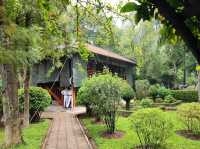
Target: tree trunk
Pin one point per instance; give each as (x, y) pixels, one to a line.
(11, 105)
(26, 97)
(127, 104)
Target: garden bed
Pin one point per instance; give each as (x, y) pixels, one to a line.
(167, 104)
(188, 134)
(130, 140)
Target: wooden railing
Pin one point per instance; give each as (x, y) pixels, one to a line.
(54, 95)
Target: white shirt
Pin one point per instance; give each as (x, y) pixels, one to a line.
(66, 92)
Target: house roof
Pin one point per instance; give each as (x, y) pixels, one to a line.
(107, 53)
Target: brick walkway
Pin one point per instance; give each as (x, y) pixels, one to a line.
(65, 132)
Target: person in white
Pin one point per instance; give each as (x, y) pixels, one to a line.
(67, 93)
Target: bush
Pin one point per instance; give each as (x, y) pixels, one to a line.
(146, 103)
(103, 93)
(190, 115)
(142, 88)
(127, 93)
(162, 92)
(185, 95)
(39, 99)
(84, 95)
(152, 127)
(153, 90)
(158, 100)
(169, 99)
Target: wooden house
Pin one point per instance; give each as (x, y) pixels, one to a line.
(75, 70)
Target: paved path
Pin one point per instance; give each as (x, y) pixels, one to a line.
(65, 132)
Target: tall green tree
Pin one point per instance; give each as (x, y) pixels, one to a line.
(179, 17)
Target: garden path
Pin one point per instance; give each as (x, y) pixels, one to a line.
(65, 131)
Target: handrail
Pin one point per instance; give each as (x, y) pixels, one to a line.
(54, 95)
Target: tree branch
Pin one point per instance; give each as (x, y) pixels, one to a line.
(178, 22)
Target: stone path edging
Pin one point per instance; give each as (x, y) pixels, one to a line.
(86, 138)
(47, 134)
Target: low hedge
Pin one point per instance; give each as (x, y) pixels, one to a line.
(185, 95)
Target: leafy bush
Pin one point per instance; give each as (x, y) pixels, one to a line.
(162, 92)
(103, 93)
(190, 116)
(152, 127)
(127, 93)
(84, 95)
(153, 90)
(185, 95)
(142, 88)
(39, 99)
(146, 103)
(158, 100)
(169, 99)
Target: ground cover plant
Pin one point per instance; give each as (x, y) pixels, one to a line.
(33, 136)
(130, 139)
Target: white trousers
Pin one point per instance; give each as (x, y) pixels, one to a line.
(67, 101)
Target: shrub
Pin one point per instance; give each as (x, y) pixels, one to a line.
(169, 99)
(185, 95)
(103, 93)
(152, 127)
(158, 100)
(127, 93)
(142, 88)
(84, 95)
(153, 90)
(146, 103)
(39, 99)
(190, 115)
(162, 92)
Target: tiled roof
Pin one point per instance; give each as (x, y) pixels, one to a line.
(107, 53)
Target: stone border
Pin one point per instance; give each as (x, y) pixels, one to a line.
(84, 133)
(45, 138)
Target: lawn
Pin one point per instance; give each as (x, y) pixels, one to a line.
(32, 135)
(129, 140)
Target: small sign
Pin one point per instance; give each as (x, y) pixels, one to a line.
(198, 68)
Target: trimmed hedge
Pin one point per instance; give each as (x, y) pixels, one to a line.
(185, 95)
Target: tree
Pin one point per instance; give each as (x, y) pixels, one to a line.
(9, 75)
(17, 49)
(127, 93)
(185, 21)
(102, 92)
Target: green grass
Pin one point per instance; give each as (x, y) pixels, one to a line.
(129, 140)
(33, 135)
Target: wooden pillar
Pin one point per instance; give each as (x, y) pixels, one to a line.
(74, 97)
